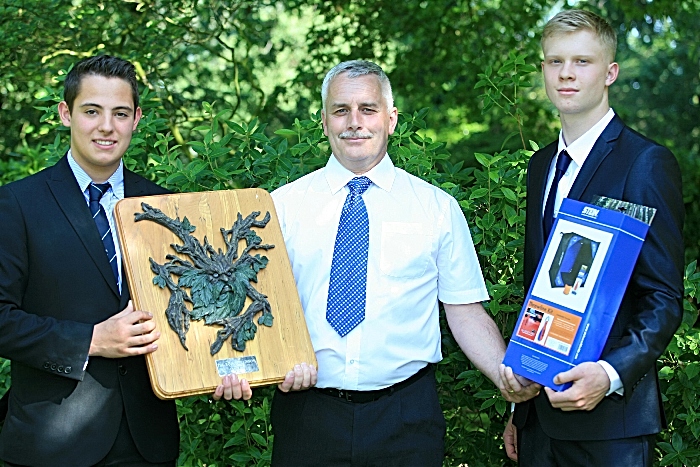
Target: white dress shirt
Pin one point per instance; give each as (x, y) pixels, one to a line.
(578, 151)
(108, 200)
(420, 251)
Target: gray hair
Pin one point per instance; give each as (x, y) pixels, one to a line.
(355, 68)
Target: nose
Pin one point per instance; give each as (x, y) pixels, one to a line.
(354, 119)
(566, 72)
(106, 124)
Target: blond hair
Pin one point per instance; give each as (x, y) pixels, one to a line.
(568, 21)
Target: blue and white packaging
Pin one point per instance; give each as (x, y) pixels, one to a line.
(578, 288)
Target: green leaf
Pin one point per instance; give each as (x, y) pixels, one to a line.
(488, 220)
(487, 403)
(478, 193)
(259, 439)
(509, 194)
(235, 127)
(285, 132)
(483, 159)
(692, 370)
(241, 457)
(677, 442)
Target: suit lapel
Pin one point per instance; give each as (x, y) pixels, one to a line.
(601, 149)
(67, 195)
(132, 185)
(538, 172)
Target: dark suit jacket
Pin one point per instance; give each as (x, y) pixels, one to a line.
(55, 284)
(624, 165)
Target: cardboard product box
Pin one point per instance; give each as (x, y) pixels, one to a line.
(578, 287)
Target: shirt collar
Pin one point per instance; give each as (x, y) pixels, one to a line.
(382, 174)
(579, 149)
(116, 180)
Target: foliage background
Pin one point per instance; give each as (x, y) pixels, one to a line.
(231, 99)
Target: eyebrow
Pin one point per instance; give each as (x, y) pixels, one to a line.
(92, 104)
(558, 55)
(361, 104)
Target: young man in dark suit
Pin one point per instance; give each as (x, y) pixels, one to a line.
(612, 412)
(80, 390)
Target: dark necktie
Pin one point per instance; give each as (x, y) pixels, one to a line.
(347, 290)
(98, 213)
(563, 161)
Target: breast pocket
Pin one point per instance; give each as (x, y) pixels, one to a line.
(405, 249)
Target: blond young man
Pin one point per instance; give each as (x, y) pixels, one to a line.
(612, 412)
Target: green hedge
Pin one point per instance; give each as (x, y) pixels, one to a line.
(227, 155)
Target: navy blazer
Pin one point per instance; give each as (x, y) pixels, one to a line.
(623, 165)
(55, 285)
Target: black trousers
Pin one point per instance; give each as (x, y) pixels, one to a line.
(123, 453)
(406, 428)
(536, 449)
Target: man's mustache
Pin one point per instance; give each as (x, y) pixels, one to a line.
(355, 134)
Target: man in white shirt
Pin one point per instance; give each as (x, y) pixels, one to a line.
(612, 412)
(373, 250)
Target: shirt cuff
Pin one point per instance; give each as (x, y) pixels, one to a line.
(615, 381)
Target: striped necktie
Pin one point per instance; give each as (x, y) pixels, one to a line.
(100, 216)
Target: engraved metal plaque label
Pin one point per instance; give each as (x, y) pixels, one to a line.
(240, 365)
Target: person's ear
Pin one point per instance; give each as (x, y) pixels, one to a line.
(137, 117)
(323, 122)
(613, 70)
(64, 113)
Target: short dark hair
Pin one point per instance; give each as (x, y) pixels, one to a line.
(99, 65)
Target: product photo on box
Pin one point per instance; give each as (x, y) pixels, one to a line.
(579, 284)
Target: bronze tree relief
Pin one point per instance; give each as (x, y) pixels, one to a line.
(218, 281)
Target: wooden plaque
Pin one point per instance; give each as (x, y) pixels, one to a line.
(174, 371)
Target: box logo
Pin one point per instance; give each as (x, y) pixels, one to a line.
(590, 212)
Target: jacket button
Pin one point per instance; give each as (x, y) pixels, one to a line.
(67, 369)
(122, 370)
(46, 365)
(53, 366)
(60, 368)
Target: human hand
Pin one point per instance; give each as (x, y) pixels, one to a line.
(590, 384)
(301, 377)
(125, 334)
(233, 388)
(516, 388)
(510, 440)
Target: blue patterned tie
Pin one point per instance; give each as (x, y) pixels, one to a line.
(563, 162)
(100, 216)
(348, 286)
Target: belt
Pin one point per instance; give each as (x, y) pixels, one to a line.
(362, 397)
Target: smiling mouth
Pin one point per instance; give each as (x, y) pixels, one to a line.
(102, 142)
